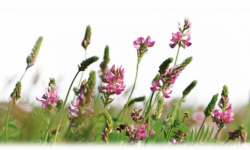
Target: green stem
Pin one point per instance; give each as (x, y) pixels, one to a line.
(98, 95)
(216, 135)
(226, 142)
(48, 130)
(137, 68)
(149, 112)
(23, 74)
(56, 134)
(183, 119)
(144, 111)
(200, 129)
(7, 123)
(80, 81)
(177, 55)
(162, 128)
(92, 127)
(169, 134)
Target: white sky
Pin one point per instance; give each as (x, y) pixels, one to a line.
(220, 49)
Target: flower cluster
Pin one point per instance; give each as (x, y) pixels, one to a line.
(51, 97)
(222, 118)
(180, 137)
(141, 133)
(112, 83)
(177, 38)
(239, 133)
(142, 45)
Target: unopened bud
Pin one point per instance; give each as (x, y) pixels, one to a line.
(83, 66)
(164, 66)
(209, 109)
(189, 88)
(86, 40)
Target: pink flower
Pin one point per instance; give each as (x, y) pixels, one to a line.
(73, 109)
(173, 140)
(222, 118)
(140, 134)
(167, 91)
(140, 43)
(50, 97)
(155, 86)
(152, 132)
(113, 81)
(178, 37)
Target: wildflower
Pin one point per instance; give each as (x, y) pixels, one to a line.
(178, 37)
(222, 118)
(173, 140)
(142, 45)
(135, 114)
(16, 94)
(32, 57)
(140, 134)
(238, 134)
(152, 132)
(73, 109)
(50, 97)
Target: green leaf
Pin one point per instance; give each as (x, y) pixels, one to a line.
(14, 133)
(195, 133)
(209, 137)
(182, 127)
(165, 134)
(191, 136)
(12, 126)
(205, 135)
(202, 130)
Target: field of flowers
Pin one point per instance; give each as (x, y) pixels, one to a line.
(90, 117)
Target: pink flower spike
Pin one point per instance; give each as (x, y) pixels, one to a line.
(152, 132)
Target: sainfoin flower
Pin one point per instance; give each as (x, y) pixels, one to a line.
(178, 37)
(142, 45)
(140, 134)
(113, 81)
(135, 114)
(50, 97)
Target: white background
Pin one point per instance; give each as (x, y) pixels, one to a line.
(220, 36)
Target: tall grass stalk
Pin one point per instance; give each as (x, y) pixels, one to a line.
(65, 101)
(124, 112)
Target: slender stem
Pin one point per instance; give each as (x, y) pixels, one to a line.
(149, 112)
(216, 135)
(7, 123)
(177, 55)
(200, 129)
(92, 127)
(183, 119)
(226, 142)
(137, 68)
(23, 74)
(56, 134)
(169, 134)
(80, 81)
(144, 111)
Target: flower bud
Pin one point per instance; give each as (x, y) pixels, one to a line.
(16, 94)
(189, 88)
(32, 57)
(106, 59)
(209, 109)
(83, 66)
(186, 114)
(86, 40)
(164, 66)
